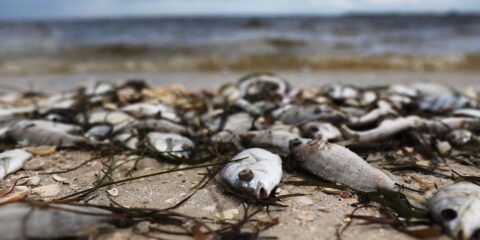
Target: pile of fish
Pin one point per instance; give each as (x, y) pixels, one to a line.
(266, 121)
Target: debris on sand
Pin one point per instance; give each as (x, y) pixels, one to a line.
(370, 147)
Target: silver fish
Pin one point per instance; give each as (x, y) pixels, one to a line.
(276, 140)
(338, 164)
(129, 139)
(457, 209)
(321, 130)
(99, 132)
(152, 109)
(384, 109)
(26, 132)
(299, 114)
(25, 221)
(389, 128)
(12, 161)
(171, 143)
(160, 125)
(442, 103)
(256, 173)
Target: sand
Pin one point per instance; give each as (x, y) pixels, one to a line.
(196, 80)
(327, 210)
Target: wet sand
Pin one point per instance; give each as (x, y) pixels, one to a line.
(327, 210)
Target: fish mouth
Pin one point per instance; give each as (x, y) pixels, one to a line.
(261, 192)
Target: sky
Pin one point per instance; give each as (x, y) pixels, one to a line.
(55, 9)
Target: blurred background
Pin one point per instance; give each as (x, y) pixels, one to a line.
(43, 37)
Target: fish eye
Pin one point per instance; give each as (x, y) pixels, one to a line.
(246, 175)
(448, 214)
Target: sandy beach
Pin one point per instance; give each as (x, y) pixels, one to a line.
(204, 52)
(317, 215)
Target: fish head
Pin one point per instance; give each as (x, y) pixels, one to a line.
(457, 208)
(298, 142)
(254, 183)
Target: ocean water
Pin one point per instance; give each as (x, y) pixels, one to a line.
(427, 36)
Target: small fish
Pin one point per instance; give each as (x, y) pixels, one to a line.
(338, 164)
(171, 143)
(276, 140)
(256, 173)
(457, 209)
(340, 92)
(108, 117)
(96, 89)
(160, 125)
(443, 103)
(12, 161)
(321, 130)
(383, 110)
(129, 139)
(293, 114)
(99, 132)
(234, 125)
(53, 221)
(140, 110)
(389, 128)
(36, 132)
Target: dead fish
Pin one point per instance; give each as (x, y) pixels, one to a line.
(338, 164)
(129, 139)
(234, 125)
(99, 132)
(256, 173)
(12, 161)
(457, 209)
(160, 125)
(383, 110)
(104, 116)
(321, 130)
(403, 90)
(467, 112)
(442, 103)
(35, 132)
(260, 86)
(340, 92)
(53, 221)
(260, 92)
(170, 143)
(460, 137)
(97, 88)
(299, 114)
(259, 124)
(276, 140)
(388, 128)
(141, 110)
(9, 112)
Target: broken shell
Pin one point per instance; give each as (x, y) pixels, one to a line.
(47, 190)
(113, 192)
(42, 150)
(61, 179)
